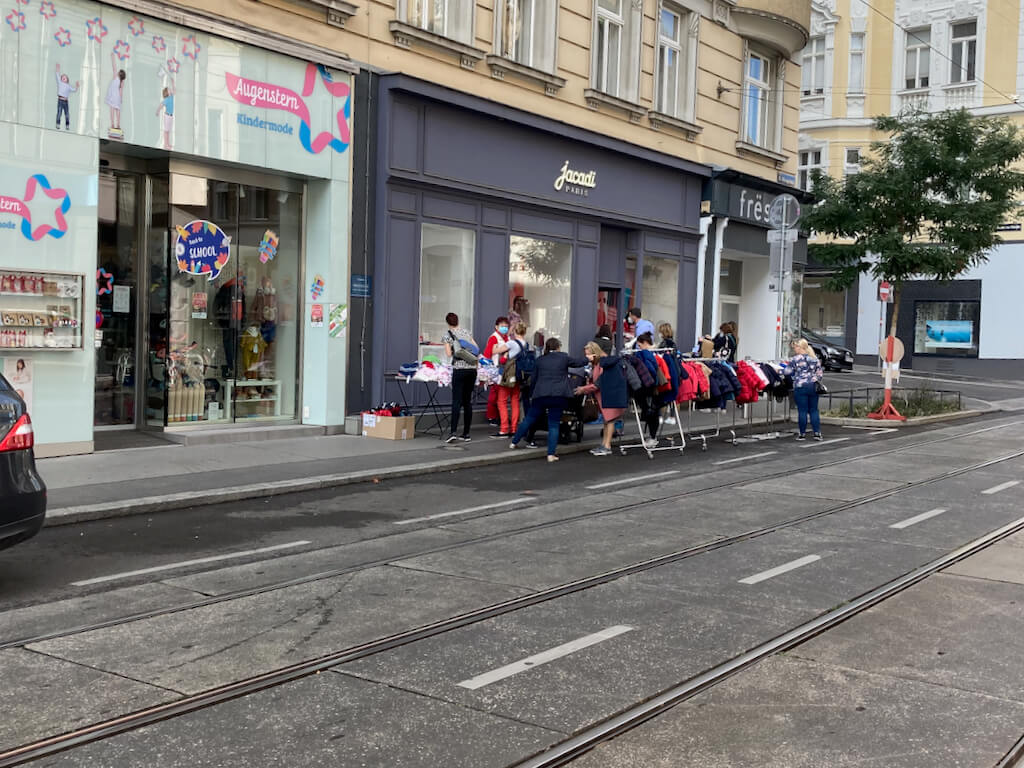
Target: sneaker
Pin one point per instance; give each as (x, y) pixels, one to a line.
(801, 436)
(513, 446)
(451, 439)
(601, 451)
(671, 421)
(651, 442)
(501, 435)
(465, 439)
(531, 444)
(818, 437)
(552, 458)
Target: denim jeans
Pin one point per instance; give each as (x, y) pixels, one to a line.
(62, 108)
(554, 406)
(806, 398)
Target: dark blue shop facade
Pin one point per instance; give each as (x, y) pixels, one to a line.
(482, 210)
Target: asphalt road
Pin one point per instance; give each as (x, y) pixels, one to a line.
(384, 559)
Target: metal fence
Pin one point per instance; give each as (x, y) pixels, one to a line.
(835, 399)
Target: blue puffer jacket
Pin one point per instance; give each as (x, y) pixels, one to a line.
(612, 383)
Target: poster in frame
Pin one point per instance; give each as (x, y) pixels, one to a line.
(946, 328)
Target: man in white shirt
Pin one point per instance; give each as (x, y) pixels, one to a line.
(640, 326)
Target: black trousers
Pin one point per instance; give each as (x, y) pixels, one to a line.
(463, 381)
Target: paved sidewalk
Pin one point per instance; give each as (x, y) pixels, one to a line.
(172, 476)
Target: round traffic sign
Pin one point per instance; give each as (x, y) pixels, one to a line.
(784, 211)
(897, 349)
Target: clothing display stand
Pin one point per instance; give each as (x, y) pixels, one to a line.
(704, 434)
(645, 443)
(432, 413)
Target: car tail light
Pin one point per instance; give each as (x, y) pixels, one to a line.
(20, 438)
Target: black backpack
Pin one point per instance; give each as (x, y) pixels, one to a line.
(526, 365)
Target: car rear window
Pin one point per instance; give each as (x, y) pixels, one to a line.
(4, 384)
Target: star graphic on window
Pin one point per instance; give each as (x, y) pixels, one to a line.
(137, 26)
(16, 20)
(97, 30)
(46, 9)
(104, 282)
(39, 181)
(122, 50)
(158, 44)
(63, 37)
(173, 65)
(338, 142)
(190, 48)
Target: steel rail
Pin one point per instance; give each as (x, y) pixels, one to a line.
(248, 686)
(336, 572)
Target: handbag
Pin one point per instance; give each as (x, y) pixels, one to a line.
(590, 410)
(820, 388)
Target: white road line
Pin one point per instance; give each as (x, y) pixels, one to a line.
(917, 519)
(481, 508)
(871, 430)
(635, 479)
(745, 458)
(825, 442)
(1001, 487)
(544, 657)
(772, 572)
(187, 563)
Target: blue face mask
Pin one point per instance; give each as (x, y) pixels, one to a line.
(502, 329)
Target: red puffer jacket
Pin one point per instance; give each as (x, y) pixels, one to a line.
(750, 383)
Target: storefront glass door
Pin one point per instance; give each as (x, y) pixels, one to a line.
(608, 313)
(233, 339)
(117, 299)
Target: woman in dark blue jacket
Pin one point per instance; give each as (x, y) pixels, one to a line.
(551, 393)
(612, 392)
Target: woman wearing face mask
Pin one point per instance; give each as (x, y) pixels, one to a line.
(500, 336)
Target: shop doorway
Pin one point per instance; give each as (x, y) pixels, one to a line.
(117, 333)
(609, 310)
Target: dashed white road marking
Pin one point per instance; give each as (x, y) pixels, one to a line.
(778, 570)
(825, 442)
(634, 479)
(187, 563)
(1001, 487)
(481, 508)
(544, 657)
(917, 519)
(745, 458)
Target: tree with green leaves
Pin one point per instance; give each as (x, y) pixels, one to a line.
(927, 202)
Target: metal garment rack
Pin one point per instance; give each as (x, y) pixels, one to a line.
(645, 443)
(704, 434)
(770, 417)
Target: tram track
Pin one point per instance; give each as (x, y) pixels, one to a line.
(482, 539)
(248, 686)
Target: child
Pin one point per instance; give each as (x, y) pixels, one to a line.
(114, 93)
(167, 106)
(64, 90)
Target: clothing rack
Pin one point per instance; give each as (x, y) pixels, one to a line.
(646, 443)
(704, 434)
(770, 416)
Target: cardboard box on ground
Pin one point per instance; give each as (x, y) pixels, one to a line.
(389, 427)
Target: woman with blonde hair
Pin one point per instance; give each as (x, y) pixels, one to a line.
(609, 383)
(806, 371)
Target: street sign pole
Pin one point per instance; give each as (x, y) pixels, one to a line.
(783, 215)
(892, 351)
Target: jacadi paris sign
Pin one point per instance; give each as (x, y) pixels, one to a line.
(576, 182)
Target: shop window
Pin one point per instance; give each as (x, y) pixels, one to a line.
(812, 69)
(809, 160)
(526, 32)
(677, 41)
(447, 18)
(540, 271)
(447, 260)
(617, 48)
(856, 63)
(824, 311)
(760, 99)
(851, 161)
(730, 278)
(963, 52)
(917, 71)
(948, 328)
(661, 290)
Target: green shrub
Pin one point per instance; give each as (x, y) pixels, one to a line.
(909, 402)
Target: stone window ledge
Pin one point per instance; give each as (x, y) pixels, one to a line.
(658, 119)
(337, 11)
(752, 149)
(500, 65)
(595, 98)
(406, 34)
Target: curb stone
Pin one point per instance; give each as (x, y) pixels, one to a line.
(910, 422)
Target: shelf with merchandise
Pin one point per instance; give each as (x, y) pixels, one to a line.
(41, 310)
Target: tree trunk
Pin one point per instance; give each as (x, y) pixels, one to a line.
(896, 290)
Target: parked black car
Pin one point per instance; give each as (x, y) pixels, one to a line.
(22, 492)
(832, 356)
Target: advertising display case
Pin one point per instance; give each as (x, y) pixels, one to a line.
(40, 310)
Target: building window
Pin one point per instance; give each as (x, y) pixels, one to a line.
(617, 49)
(809, 160)
(759, 99)
(447, 260)
(917, 67)
(526, 32)
(813, 67)
(448, 18)
(851, 161)
(856, 63)
(540, 271)
(824, 311)
(661, 290)
(965, 45)
(949, 328)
